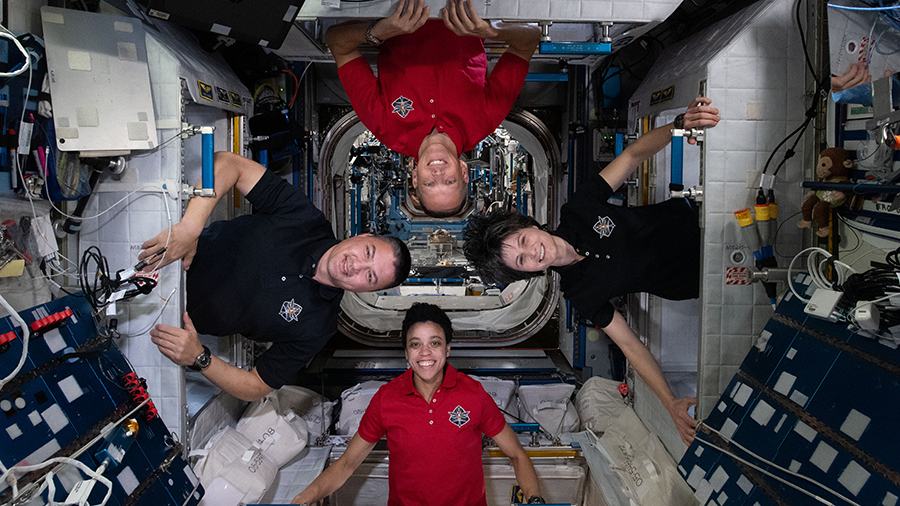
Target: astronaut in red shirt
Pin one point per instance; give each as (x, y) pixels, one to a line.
(433, 418)
(433, 98)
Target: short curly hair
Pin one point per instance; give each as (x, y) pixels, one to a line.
(484, 235)
(422, 312)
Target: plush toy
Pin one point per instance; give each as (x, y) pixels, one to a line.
(833, 167)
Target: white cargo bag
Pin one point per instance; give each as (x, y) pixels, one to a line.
(354, 402)
(233, 471)
(549, 406)
(503, 393)
(308, 405)
(643, 464)
(599, 404)
(278, 432)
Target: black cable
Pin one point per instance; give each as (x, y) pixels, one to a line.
(775, 240)
(855, 233)
(98, 290)
(803, 42)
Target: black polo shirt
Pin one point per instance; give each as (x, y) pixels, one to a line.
(253, 276)
(653, 249)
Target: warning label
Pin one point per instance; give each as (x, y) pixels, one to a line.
(737, 276)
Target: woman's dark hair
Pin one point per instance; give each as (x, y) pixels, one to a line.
(484, 236)
(422, 312)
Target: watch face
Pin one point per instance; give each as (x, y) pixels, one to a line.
(204, 359)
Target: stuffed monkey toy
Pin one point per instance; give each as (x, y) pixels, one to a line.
(833, 167)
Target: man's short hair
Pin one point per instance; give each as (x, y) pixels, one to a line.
(484, 235)
(402, 259)
(421, 312)
(451, 212)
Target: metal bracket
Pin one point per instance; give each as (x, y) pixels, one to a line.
(693, 133)
(695, 193)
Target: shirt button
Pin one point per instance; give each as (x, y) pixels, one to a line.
(431, 422)
(301, 276)
(598, 256)
(587, 253)
(432, 100)
(432, 116)
(433, 400)
(607, 257)
(430, 411)
(283, 278)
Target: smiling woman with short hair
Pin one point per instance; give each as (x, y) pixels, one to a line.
(434, 418)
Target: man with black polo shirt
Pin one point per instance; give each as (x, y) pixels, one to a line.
(274, 276)
(432, 99)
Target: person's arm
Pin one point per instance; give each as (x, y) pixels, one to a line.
(461, 18)
(231, 171)
(182, 346)
(646, 366)
(336, 474)
(526, 477)
(345, 38)
(647, 145)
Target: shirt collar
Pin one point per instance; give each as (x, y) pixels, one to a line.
(310, 261)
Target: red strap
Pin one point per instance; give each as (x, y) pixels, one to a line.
(9, 336)
(54, 318)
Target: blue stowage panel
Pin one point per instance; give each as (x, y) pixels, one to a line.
(72, 385)
(811, 397)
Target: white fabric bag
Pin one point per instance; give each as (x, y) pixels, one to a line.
(279, 433)
(503, 393)
(308, 405)
(599, 404)
(646, 469)
(549, 406)
(354, 402)
(233, 471)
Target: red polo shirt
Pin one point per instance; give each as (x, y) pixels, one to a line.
(432, 78)
(435, 449)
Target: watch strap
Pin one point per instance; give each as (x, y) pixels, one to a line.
(203, 360)
(679, 121)
(371, 39)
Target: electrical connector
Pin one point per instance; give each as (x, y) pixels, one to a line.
(822, 304)
(867, 315)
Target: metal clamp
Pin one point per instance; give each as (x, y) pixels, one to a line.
(695, 193)
(692, 133)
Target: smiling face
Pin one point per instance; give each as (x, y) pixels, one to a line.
(530, 249)
(440, 179)
(362, 263)
(427, 351)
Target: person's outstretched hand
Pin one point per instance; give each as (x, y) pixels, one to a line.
(409, 17)
(855, 75)
(461, 18)
(700, 114)
(181, 346)
(678, 410)
(180, 244)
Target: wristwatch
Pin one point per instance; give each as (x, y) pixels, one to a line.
(536, 499)
(202, 362)
(679, 121)
(371, 39)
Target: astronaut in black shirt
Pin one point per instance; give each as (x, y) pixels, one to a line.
(602, 251)
(276, 276)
